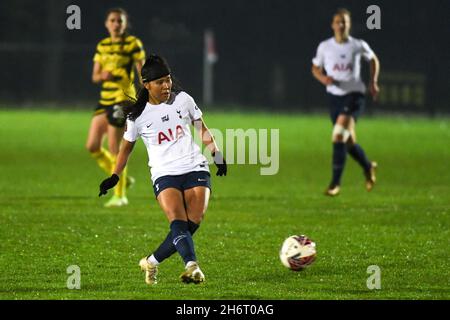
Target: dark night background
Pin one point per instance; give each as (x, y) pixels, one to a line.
(264, 47)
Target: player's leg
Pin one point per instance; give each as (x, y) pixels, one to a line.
(166, 248)
(339, 138)
(196, 201)
(358, 154)
(195, 208)
(97, 130)
(115, 135)
(172, 202)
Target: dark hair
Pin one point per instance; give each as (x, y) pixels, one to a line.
(343, 11)
(133, 108)
(155, 67)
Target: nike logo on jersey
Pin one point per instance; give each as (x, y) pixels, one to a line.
(195, 107)
(165, 118)
(149, 125)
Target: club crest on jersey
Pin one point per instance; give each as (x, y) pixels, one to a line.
(343, 67)
(179, 114)
(179, 132)
(165, 118)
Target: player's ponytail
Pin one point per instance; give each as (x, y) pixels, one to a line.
(133, 108)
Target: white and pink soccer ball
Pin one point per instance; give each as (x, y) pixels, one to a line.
(298, 252)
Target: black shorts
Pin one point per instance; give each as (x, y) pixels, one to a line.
(183, 182)
(114, 113)
(351, 104)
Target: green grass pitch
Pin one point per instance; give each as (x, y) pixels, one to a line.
(51, 217)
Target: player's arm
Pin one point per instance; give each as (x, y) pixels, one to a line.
(98, 75)
(139, 64)
(318, 73)
(125, 150)
(210, 143)
(205, 134)
(374, 73)
(124, 153)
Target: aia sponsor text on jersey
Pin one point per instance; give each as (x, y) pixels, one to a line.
(179, 132)
(343, 67)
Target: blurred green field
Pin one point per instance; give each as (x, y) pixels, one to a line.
(51, 217)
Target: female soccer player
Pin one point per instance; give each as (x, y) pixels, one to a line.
(114, 62)
(340, 57)
(180, 173)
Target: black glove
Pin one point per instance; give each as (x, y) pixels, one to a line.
(220, 163)
(108, 184)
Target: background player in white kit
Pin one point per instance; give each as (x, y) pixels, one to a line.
(340, 57)
(180, 173)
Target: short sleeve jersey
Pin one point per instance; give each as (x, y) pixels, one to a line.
(119, 59)
(166, 133)
(342, 62)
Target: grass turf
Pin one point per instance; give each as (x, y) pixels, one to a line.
(51, 217)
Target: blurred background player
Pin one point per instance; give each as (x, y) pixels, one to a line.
(340, 57)
(179, 171)
(115, 59)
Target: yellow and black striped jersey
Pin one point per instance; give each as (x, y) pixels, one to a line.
(118, 57)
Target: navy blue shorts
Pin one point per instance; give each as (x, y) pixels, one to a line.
(183, 181)
(351, 104)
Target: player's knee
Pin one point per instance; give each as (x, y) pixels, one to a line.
(197, 220)
(175, 214)
(340, 133)
(338, 138)
(92, 148)
(196, 217)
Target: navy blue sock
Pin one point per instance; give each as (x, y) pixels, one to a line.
(166, 248)
(339, 156)
(182, 240)
(192, 226)
(358, 154)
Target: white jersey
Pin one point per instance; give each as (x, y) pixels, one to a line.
(165, 130)
(342, 62)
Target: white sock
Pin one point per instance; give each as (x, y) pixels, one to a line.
(190, 263)
(152, 260)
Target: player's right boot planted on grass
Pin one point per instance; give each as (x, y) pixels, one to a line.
(192, 273)
(151, 271)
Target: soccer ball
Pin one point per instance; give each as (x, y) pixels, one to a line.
(298, 252)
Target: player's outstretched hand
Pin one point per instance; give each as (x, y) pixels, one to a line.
(220, 163)
(108, 184)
